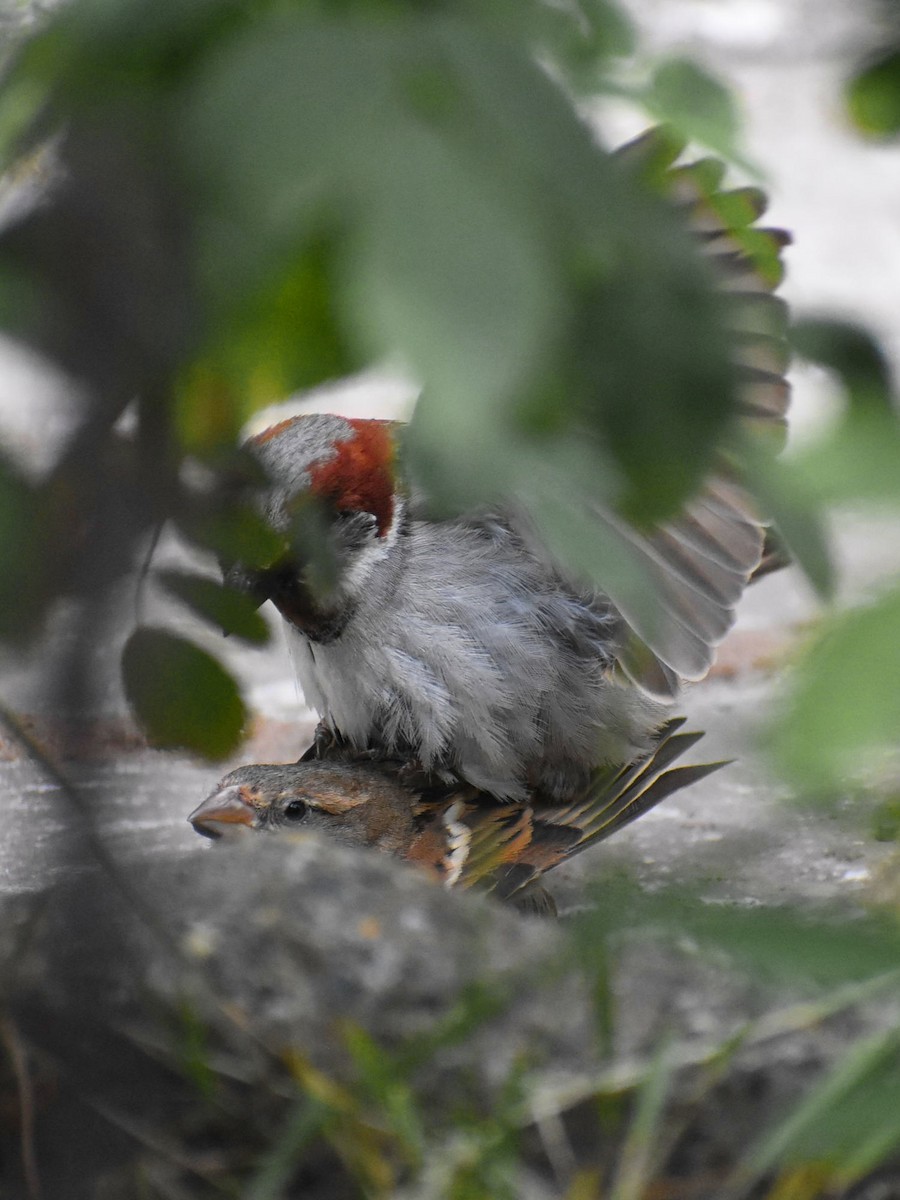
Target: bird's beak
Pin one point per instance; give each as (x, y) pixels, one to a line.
(224, 812)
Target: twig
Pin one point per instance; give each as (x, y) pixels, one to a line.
(161, 1146)
(144, 572)
(9, 1036)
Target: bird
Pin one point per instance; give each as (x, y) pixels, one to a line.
(459, 645)
(460, 837)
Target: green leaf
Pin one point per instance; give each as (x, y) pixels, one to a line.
(235, 534)
(641, 1149)
(860, 458)
(452, 271)
(843, 709)
(270, 336)
(886, 822)
(854, 354)
(873, 97)
(696, 103)
(850, 1120)
(193, 1049)
(232, 611)
(773, 944)
(858, 461)
(580, 40)
(181, 696)
(528, 279)
(791, 504)
(782, 944)
(277, 1165)
(385, 1081)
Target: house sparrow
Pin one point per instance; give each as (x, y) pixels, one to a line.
(459, 644)
(460, 836)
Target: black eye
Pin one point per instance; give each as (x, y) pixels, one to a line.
(295, 811)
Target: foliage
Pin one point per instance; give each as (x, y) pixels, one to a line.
(841, 715)
(873, 96)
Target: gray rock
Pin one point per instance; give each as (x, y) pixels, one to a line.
(240, 960)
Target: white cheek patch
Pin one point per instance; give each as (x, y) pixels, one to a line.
(370, 556)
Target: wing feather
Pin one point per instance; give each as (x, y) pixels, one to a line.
(700, 562)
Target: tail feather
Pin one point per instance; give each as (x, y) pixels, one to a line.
(611, 801)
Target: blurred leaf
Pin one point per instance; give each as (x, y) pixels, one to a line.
(364, 1148)
(785, 944)
(207, 409)
(235, 533)
(269, 341)
(858, 461)
(589, 545)
(438, 261)
(860, 458)
(580, 39)
(773, 944)
(232, 611)
(449, 270)
(384, 1081)
(610, 26)
(696, 103)
(102, 261)
(854, 354)
(873, 97)
(886, 822)
(800, 1183)
(279, 1163)
(526, 277)
(95, 51)
(181, 696)
(850, 1120)
(789, 502)
(194, 1051)
(843, 709)
(637, 1159)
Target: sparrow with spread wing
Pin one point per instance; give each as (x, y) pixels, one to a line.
(460, 644)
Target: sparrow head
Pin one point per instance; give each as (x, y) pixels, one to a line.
(347, 464)
(345, 470)
(356, 805)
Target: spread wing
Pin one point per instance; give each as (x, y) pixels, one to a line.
(700, 562)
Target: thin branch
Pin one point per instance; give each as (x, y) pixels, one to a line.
(144, 572)
(9, 1036)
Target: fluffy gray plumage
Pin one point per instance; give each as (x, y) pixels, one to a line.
(454, 643)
